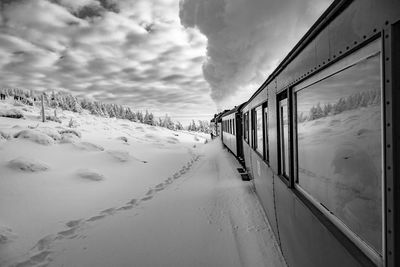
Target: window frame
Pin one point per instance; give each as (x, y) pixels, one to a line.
(255, 140)
(372, 48)
(287, 178)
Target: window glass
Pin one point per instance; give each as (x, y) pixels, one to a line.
(246, 127)
(339, 133)
(284, 137)
(265, 113)
(259, 141)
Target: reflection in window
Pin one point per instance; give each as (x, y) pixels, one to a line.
(258, 130)
(339, 136)
(284, 137)
(246, 127)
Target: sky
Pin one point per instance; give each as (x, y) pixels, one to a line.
(188, 58)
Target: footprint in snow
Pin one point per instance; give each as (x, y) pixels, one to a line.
(150, 192)
(38, 259)
(133, 201)
(44, 243)
(73, 223)
(109, 211)
(147, 198)
(95, 218)
(126, 207)
(66, 233)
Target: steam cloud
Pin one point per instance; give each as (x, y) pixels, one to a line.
(247, 38)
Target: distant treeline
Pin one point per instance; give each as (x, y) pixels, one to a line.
(355, 101)
(66, 101)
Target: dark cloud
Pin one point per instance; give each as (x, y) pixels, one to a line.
(89, 11)
(110, 5)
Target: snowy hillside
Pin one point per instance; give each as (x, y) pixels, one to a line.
(87, 195)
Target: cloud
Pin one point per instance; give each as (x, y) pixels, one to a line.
(246, 38)
(130, 52)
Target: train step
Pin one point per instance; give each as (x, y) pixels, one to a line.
(243, 173)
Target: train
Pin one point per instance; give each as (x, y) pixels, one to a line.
(320, 139)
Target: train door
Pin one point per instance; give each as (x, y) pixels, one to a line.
(239, 143)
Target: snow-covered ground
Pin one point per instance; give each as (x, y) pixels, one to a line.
(111, 192)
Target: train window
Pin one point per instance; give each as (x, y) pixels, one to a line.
(339, 139)
(246, 126)
(283, 135)
(258, 130)
(266, 146)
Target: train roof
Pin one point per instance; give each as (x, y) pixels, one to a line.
(235, 109)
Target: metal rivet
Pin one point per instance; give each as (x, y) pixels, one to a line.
(340, 51)
(355, 42)
(390, 253)
(387, 102)
(323, 62)
(334, 56)
(319, 66)
(387, 81)
(388, 125)
(389, 168)
(389, 189)
(374, 30)
(387, 59)
(386, 22)
(364, 36)
(387, 35)
(389, 210)
(329, 59)
(388, 146)
(389, 231)
(347, 47)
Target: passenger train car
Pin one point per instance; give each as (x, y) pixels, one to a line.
(232, 131)
(320, 138)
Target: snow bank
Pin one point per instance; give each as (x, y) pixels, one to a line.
(89, 175)
(87, 146)
(68, 138)
(4, 135)
(119, 155)
(11, 113)
(54, 134)
(70, 131)
(35, 136)
(27, 165)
